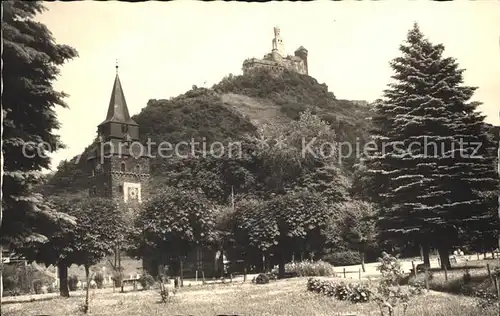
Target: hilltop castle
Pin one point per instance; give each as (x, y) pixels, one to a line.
(277, 61)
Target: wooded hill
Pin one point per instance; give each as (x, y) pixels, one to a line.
(231, 109)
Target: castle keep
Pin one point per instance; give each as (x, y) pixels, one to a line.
(277, 60)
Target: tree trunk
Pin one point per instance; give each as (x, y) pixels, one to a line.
(445, 257)
(62, 270)
(119, 259)
(281, 266)
(182, 271)
(221, 263)
(425, 254)
(362, 256)
(87, 277)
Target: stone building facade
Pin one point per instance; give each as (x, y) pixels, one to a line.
(277, 60)
(119, 164)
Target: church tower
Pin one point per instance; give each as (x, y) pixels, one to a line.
(119, 164)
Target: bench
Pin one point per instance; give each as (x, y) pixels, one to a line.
(133, 281)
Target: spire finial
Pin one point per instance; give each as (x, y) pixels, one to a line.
(116, 66)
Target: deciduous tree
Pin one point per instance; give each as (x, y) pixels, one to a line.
(99, 223)
(173, 223)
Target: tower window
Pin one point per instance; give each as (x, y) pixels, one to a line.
(137, 169)
(123, 167)
(124, 129)
(120, 189)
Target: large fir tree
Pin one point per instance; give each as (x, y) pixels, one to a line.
(31, 61)
(433, 164)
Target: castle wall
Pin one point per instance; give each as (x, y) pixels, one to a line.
(276, 66)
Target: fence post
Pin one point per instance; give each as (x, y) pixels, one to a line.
(359, 273)
(489, 272)
(344, 274)
(426, 278)
(445, 273)
(414, 269)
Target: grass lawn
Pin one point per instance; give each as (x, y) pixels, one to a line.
(283, 297)
(454, 283)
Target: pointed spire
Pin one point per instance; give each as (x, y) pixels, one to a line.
(118, 110)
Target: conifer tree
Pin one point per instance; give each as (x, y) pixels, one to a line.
(433, 163)
(30, 64)
(31, 61)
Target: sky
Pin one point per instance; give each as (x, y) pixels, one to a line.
(163, 48)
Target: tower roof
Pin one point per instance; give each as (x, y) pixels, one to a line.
(300, 48)
(118, 110)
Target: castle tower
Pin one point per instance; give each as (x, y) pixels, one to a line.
(119, 164)
(302, 53)
(278, 46)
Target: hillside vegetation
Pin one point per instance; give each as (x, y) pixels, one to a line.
(231, 109)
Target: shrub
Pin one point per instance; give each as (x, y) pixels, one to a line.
(164, 295)
(12, 284)
(358, 293)
(343, 258)
(390, 294)
(146, 281)
(272, 276)
(50, 288)
(354, 293)
(37, 286)
(99, 280)
(485, 299)
(308, 268)
(73, 283)
(341, 291)
(16, 278)
(262, 279)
